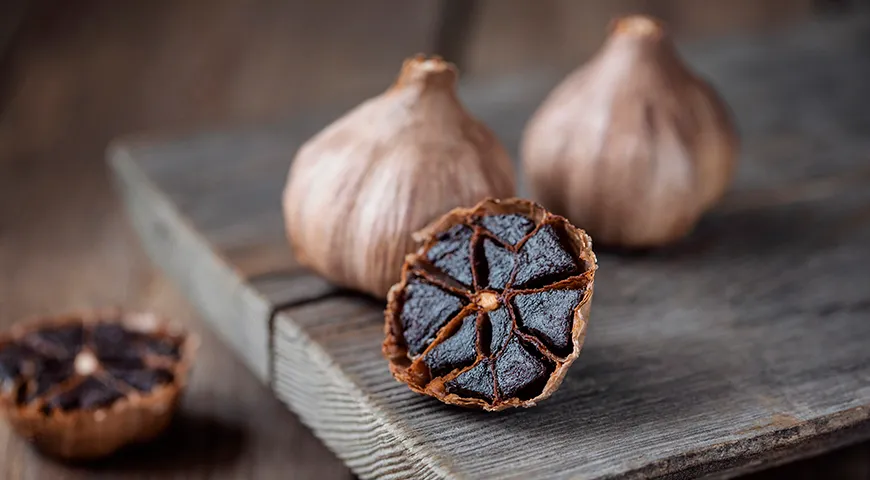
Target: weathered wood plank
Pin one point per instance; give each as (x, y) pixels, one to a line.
(743, 347)
(310, 379)
(696, 362)
(240, 313)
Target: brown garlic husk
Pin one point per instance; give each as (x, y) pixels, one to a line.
(633, 147)
(357, 190)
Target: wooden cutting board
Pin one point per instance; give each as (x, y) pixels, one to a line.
(745, 346)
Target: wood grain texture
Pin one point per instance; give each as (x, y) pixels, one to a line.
(744, 347)
(255, 267)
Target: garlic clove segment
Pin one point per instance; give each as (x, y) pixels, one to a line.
(632, 146)
(358, 189)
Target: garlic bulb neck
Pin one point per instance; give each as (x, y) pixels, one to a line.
(643, 44)
(639, 26)
(426, 88)
(427, 75)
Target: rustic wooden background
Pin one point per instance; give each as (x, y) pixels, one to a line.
(73, 75)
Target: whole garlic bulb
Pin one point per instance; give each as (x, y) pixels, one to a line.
(357, 190)
(632, 146)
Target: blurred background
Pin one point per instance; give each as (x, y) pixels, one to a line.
(75, 74)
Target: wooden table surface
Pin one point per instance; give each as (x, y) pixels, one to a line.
(64, 244)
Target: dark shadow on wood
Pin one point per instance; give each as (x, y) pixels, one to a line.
(276, 274)
(724, 236)
(757, 233)
(191, 444)
(846, 463)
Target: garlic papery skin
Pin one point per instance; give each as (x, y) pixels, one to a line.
(632, 146)
(358, 189)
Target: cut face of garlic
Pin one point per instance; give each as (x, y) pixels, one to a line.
(359, 188)
(632, 146)
(492, 310)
